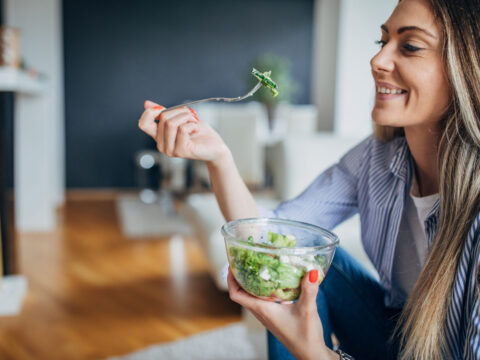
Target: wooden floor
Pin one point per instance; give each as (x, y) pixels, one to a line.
(94, 293)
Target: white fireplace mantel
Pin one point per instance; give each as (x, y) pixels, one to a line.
(18, 81)
(34, 206)
(39, 179)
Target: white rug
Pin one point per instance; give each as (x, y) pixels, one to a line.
(232, 342)
(138, 219)
(13, 289)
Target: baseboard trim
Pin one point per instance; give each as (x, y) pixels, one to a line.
(98, 193)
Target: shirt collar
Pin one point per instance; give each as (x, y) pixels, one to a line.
(400, 165)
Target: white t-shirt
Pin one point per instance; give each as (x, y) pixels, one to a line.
(412, 246)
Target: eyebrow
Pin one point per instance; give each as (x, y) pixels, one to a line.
(409, 28)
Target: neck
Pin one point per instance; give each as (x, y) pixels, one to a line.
(423, 144)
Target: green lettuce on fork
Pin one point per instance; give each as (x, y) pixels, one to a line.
(266, 80)
(268, 275)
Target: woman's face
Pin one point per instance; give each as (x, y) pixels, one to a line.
(409, 74)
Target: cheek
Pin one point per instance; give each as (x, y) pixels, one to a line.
(433, 93)
(427, 99)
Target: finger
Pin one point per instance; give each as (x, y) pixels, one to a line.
(233, 285)
(158, 107)
(187, 129)
(183, 136)
(263, 310)
(168, 114)
(146, 121)
(171, 130)
(239, 295)
(162, 120)
(308, 295)
(194, 114)
(149, 104)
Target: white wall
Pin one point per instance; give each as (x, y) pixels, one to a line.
(324, 63)
(359, 27)
(39, 120)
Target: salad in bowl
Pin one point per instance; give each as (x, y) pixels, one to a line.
(270, 257)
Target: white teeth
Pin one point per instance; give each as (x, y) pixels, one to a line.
(383, 90)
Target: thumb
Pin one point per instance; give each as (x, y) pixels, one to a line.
(149, 104)
(310, 283)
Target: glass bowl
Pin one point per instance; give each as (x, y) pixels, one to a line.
(269, 257)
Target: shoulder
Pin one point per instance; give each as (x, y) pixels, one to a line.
(470, 258)
(372, 153)
(471, 291)
(473, 238)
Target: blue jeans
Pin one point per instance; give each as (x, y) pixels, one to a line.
(350, 304)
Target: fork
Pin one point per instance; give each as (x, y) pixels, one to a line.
(234, 99)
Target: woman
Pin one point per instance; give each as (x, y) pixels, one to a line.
(416, 185)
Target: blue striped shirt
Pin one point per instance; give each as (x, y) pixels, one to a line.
(373, 179)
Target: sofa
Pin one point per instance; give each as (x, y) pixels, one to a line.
(293, 153)
(294, 161)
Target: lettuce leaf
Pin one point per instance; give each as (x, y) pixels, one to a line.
(264, 274)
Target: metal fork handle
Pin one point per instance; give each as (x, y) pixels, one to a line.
(239, 98)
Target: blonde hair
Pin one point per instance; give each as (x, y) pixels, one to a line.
(422, 324)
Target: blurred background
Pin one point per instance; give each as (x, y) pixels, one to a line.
(116, 244)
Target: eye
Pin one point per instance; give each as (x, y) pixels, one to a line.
(381, 43)
(410, 48)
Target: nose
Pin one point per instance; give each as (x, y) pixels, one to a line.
(383, 61)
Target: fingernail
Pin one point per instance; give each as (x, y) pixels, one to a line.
(195, 116)
(159, 107)
(313, 276)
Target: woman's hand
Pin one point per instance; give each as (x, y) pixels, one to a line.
(179, 133)
(296, 325)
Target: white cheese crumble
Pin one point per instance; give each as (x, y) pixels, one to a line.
(306, 262)
(264, 274)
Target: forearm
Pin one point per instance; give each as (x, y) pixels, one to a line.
(233, 196)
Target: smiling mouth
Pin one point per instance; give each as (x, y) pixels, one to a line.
(391, 91)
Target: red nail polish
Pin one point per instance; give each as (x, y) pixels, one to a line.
(159, 107)
(313, 276)
(195, 116)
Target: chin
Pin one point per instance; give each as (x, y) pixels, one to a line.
(383, 119)
(380, 120)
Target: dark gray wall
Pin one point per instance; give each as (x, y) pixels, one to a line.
(119, 53)
(7, 233)
(6, 130)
